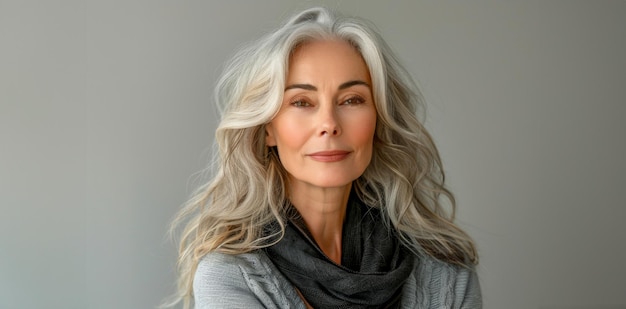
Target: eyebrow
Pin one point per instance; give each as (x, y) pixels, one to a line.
(341, 87)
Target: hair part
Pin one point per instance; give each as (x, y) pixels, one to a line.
(247, 193)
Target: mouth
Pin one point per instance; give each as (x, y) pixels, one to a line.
(329, 155)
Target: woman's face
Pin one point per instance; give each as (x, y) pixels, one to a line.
(324, 130)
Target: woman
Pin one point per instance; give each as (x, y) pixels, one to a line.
(328, 192)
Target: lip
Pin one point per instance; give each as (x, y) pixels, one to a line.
(329, 155)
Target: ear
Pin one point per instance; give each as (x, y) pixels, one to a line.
(270, 141)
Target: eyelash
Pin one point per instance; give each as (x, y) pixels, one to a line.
(300, 103)
(354, 100)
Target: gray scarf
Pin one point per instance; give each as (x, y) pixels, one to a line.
(374, 265)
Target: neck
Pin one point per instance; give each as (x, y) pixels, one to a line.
(323, 211)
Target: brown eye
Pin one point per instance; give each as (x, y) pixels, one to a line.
(300, 103)
(353, 101)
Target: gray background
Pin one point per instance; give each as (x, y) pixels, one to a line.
(106, 115)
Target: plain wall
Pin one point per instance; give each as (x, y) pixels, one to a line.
(106, 113)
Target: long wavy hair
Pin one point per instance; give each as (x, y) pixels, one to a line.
(247, 191)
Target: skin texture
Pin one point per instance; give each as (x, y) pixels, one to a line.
(324, 134)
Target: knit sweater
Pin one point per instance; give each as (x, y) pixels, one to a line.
(251, 280)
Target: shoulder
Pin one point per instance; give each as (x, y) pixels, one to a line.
(437, 284)
(224, 266)
(243, 280)
(219, 282)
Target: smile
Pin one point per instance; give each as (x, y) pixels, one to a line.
(329, 156)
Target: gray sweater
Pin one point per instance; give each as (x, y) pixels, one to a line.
(251, 280)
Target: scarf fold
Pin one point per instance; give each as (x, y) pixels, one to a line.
(374, 265)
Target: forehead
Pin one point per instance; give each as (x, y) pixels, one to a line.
(335, 59)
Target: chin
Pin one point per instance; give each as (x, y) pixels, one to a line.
(334, 182)
(326, 179)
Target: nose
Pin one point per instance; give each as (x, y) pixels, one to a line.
(329, 122)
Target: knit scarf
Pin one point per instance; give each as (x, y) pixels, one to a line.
(374, 265)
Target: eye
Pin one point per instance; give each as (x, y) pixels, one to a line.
(353, 101)
(300, 103)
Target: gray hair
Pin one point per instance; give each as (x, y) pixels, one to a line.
(405, 178)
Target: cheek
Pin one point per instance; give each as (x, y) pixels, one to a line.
(362, 136)
(288, 133)
(363, 130)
